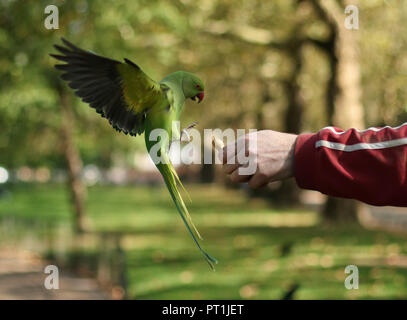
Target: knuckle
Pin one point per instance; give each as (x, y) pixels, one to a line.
(262, 175)
(253, 184)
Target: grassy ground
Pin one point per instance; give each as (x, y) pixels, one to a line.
(262, 252)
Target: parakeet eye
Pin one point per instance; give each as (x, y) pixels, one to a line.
(198, 87)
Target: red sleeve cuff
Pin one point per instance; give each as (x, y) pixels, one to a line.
(305, 161)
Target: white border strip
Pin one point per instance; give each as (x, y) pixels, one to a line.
(362, 131)
(361, 146)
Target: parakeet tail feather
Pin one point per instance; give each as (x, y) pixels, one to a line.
(171, 178)
(182, 186)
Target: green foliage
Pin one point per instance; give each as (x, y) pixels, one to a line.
(223, 43)
(165, 36)
(29, 101)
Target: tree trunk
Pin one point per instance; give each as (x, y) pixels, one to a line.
(207, 173)
(74, 165)
(344, 93)
(288, 192)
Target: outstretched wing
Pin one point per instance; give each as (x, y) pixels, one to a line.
(120, 92)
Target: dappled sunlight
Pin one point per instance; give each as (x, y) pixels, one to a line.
(78, 194)
(269, 219)
(263, 251)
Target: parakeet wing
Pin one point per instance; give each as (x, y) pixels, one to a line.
(120, 92)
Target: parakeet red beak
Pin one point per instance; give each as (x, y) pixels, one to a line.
(200, 96)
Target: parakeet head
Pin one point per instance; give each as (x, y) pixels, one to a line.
(193, 87)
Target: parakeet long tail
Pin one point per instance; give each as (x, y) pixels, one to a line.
(171, 179)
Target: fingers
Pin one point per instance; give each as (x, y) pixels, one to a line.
(229, 168)
(228, 152)
(232, 149)
(234, 162)
(255, 181)
(258, 180)
(231, 155)
(236, 177)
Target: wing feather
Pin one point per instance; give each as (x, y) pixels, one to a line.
(120, 92)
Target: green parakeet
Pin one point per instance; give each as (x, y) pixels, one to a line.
(134, 103)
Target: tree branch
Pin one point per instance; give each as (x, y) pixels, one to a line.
(244, 33)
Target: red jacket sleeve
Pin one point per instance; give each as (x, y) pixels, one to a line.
(368, 165)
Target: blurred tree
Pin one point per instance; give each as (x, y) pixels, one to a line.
(284, 65)
(343, 98)
(74, 163)
(32, 93)
(290, 45)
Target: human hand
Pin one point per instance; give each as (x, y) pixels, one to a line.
(274, 157)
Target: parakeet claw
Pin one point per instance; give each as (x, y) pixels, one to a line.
(185, 132)
(193, 124)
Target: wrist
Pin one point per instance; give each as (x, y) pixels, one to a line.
(288, 170)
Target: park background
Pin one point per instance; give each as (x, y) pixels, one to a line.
(77, 194)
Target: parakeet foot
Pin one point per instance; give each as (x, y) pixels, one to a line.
(185, 133)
